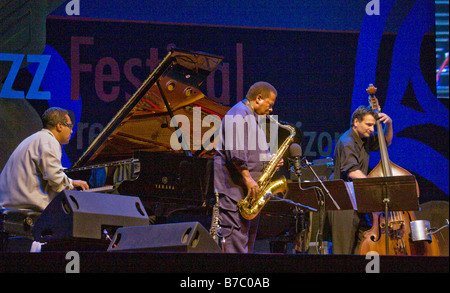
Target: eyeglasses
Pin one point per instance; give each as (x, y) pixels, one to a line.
(70, 125)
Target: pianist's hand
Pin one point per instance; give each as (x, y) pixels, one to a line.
(80, 184)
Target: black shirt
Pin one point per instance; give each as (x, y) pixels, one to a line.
(352, 153)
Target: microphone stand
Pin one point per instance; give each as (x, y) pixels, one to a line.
(321, 203)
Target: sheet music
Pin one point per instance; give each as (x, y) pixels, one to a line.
(351, 193)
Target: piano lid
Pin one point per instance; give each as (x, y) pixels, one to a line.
(143, 123)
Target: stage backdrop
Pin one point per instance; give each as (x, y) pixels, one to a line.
(321, 77)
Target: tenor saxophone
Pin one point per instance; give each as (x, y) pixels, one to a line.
(248, 207)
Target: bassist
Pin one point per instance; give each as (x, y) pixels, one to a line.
(351, 158)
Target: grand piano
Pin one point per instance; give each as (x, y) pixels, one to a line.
(144, 152)
(155, 146)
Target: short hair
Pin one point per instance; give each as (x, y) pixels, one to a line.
(260, 88)
(361, 112)
(53, 116)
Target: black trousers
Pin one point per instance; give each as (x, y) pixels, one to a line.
(347, 228)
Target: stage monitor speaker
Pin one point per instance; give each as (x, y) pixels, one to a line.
(87, 215)
(179, 237)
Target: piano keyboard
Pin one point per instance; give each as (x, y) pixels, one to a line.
(101, 189)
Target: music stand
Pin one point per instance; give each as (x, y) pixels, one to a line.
(378, 194)
(313, 195)
(306, 195)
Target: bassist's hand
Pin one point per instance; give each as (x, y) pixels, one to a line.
(385, 119)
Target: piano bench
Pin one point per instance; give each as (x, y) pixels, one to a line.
(15, 228)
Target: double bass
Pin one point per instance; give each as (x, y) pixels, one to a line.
(398, 229)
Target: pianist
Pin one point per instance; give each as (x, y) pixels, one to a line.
(34, 174)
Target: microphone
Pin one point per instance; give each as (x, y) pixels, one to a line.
(296, 154)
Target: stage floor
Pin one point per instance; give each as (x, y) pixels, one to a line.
(193, 263)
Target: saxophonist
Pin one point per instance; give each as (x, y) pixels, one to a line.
(241, 155)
